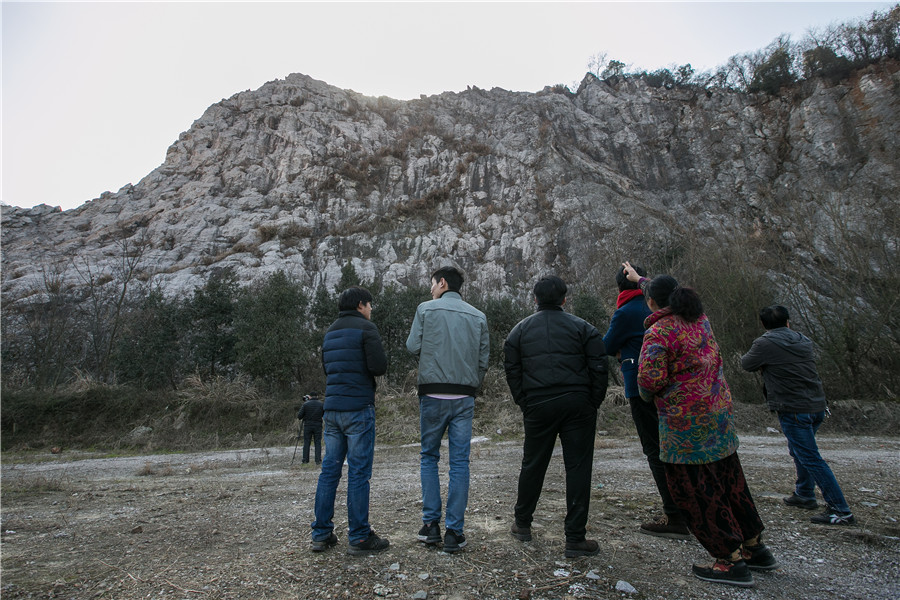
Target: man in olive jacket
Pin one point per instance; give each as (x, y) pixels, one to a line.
(794, 391)
(556, 369)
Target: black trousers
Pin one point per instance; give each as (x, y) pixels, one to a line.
(573, 419)
(310, 433)
(646, 420)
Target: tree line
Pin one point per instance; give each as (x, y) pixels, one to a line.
(120, 330)
(270, 331)
(831, 53)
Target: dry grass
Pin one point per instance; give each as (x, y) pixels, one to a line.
(227, 414)
(37, 484)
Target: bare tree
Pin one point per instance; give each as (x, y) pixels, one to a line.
(39, 331)
(106, 295)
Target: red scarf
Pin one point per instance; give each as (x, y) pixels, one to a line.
(626, 296)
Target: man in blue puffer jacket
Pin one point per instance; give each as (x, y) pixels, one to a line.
(352, 355)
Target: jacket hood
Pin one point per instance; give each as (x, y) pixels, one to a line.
(790, 340)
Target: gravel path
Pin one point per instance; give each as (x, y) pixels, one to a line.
(235, 524)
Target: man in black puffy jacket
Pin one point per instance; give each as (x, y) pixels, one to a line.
(352, 355)
(556, 368)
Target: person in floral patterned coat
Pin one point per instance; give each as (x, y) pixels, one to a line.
(680, 370)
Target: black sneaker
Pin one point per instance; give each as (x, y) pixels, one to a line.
(430, 533)
(454, 541)
(371, 545)
(759, 558)
(833, 517)
(798, 502)
(725, 571)
(521, 533)
(323, 545)
(582, 548)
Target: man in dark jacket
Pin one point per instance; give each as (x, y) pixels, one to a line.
(352, 355)
(310, 414)
(556, 370)
(623, 340)
(794, 391)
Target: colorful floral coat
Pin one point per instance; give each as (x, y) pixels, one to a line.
(680, 369)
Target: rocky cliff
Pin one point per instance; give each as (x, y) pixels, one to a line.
(304, 177)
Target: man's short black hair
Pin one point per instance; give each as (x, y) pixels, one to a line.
(451, 275)
(550, 290)
(774, 316)
(351, 298)
(626, 284)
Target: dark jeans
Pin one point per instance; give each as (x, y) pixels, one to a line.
(812, 470)
(574, 420)
(312, 433)
(349, 436)
(646, 421)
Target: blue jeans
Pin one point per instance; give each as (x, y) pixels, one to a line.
(812, 470)
(348, 435)
(455, 417)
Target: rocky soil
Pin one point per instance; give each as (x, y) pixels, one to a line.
(236, 525)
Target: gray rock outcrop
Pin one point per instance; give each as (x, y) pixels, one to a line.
(303, 177)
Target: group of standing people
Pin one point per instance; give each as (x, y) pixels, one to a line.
(556, 369)
(451, 339)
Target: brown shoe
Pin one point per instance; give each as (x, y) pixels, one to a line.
(668, 527)
(521, 533)
(582, 548)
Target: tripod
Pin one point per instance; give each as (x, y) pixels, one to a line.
(299, 434)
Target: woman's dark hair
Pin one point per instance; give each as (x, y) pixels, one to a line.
(683, 302)
(660, 288)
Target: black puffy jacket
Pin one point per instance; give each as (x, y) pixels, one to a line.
(553, 352)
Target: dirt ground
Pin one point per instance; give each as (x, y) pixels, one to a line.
(236, 525)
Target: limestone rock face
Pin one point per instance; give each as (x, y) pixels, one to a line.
(304, 177)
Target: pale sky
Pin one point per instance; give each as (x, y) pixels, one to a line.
(93, 94)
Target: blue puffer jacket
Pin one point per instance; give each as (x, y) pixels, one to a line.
(352, 355)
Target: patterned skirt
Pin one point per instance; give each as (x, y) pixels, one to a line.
(716, 504)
